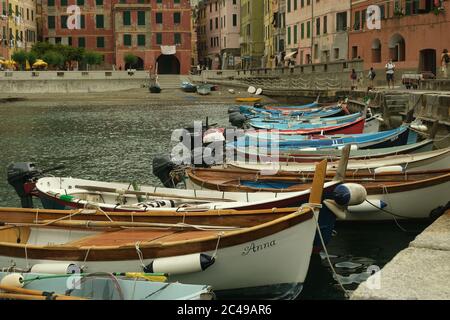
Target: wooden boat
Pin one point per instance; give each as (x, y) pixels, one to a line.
(203, 90)
(228, 259)
(432, 160)
(390, 195)
(305, 155)
(98, 286)
(188, 87)
(248, 100)
(264, 141)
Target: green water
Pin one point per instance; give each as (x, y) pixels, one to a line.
(118, 143)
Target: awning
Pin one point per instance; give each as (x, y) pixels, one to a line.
(290, 55)
(168, 50)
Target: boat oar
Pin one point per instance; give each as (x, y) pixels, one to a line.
(43, 295)
(154, 194)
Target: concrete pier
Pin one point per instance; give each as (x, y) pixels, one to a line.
(420, 272)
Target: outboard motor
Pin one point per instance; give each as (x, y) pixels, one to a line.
(237, 119)
(234, 109)
(18, 174)
(162, 168)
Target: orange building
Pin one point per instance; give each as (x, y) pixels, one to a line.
(4, 43)
(413, 34)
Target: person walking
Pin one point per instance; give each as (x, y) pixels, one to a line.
(354, 80)
(445, 60)
(371, 76)
(390, 70)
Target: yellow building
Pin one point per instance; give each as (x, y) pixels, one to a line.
(21, 24)
(269, 29)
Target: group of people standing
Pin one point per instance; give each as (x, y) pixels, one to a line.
(390, 72)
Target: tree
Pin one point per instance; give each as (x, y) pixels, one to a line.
(54, 59)
(92, 58)
(31, 57)
(20, 57)
(41, 48)
(130, 59)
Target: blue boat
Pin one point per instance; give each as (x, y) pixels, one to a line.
(306, 124)
(278, 115)
(188, 87)
(384, 139)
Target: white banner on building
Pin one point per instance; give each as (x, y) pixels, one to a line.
(168, 50)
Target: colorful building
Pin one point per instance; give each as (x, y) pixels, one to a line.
(274, 31)
(219, 32)
(4, 45)
(412, 33)
(157, 32)
(200, 27)
(252, 34)
(317, 31)
(21, 31)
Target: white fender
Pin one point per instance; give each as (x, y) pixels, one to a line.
(55, 268)
(366, 207)
(181, 264)
(349, 194)
(393, 169)
(13, 280)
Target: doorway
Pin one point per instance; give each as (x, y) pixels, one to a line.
(168, 64)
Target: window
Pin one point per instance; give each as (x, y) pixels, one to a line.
(63, 3)
(141, 40)
(289, 5)
(176, 17)
(234, 20)
(127, 39)
(295, 34)
(302, 30)
(308, 29)
(159, 17)
(64, 22)
(141, 18)
(318, 26)
(81, 42)
(356, 25)
(325, 24)
(336, 53)
(354, 52)
(99, 2)
(341, 21)
(159, 38)
(177, 38)
(82, 21)
(50, 3)
(126, 18)
(80, 2)
(99, 21)
(100, 42)
(51, 22)
(289, 35)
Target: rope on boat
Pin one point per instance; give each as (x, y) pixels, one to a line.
(314, 207)
(219, 236)
(139, 253)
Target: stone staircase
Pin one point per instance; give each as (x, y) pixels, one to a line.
(169, 81)
(396, 103)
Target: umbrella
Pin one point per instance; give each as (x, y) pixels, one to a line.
(9, 62)
(40, 63)
(27, 65)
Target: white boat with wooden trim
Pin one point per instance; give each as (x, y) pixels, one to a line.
(413, 195)
(268, 259)
(432, 160)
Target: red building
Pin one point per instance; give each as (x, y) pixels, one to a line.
(158, 32)
(413, 34)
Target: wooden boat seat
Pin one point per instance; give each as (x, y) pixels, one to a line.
(132, 236)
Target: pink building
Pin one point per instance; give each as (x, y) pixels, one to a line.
(221, 27)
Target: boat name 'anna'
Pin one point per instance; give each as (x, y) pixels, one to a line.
(252, 248)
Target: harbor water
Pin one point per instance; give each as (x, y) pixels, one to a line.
(118, 143)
